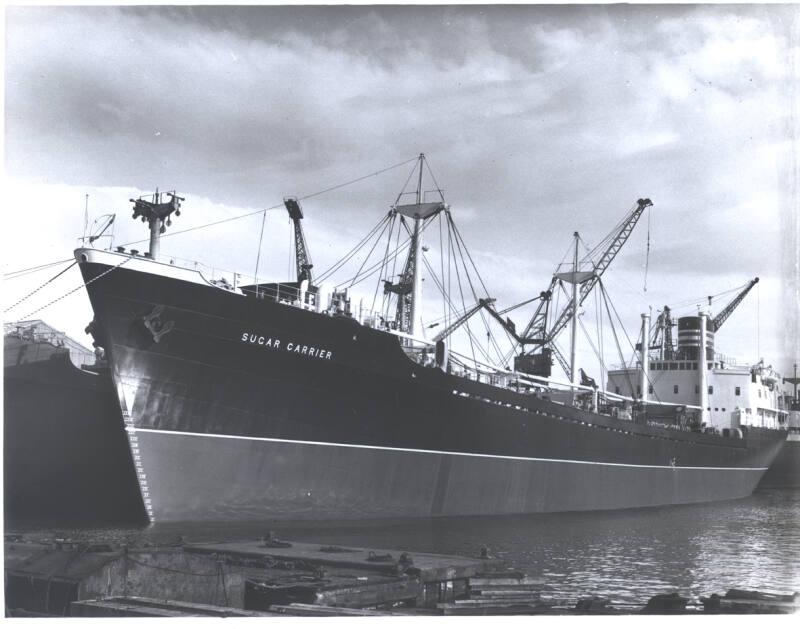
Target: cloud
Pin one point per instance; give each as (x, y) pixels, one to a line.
(537, 121)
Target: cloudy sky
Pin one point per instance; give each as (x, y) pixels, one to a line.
(537, 121)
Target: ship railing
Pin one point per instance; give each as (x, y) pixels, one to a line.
(725, 360)
(634, 364)
(235, 279)
(503, 377)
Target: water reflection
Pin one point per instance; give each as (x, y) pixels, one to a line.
(626, 556)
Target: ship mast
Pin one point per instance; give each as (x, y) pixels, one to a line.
(157, 214)
(416, 244)
(574, 277)
(409, 289)
(574, 332)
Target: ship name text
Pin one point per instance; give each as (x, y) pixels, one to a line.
(296, 348)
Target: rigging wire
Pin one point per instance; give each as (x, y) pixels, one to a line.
(358, 179)
(258, 255)
(460, 242)
(196, 227)
(469, 279)
(647, 255)
(455, 313)
(385, 261)
(463, 304)
(280, 205)
(616, 338)
(402, 190)
(367, 257)
(346, 258)
(369, 271)
(435, 183)
(758, 321)
(441, 263)
(690, 303)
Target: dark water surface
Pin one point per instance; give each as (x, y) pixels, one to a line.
(626, 556)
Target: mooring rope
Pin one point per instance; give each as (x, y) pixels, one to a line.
(36, 290)
(21, 272)
(77, 288)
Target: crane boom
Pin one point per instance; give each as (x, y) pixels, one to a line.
(482, 303)
(301, 255)
(728, 310)
(616, 241)
(536, 332)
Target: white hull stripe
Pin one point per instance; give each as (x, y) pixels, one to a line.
(472, 454)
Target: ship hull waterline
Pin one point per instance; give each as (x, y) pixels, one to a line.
(200, 477)
(239, 408)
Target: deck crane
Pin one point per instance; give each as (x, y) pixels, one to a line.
(537, 361)
(482, 303)
(716, 322)
(403, 289)
(662, 335)
(302, 258)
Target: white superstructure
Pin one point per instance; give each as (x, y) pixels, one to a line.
(737, 395)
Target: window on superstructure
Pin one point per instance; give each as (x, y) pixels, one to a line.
(681, 366)
(650, 388)
(616, 390)
(638, 390)
(675, 389)
(738, 390)
(694, 366)
(759, 393)
(711, 389)
(697, 389)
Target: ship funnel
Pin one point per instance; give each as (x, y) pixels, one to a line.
(689, 337)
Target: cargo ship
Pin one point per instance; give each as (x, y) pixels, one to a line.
(66, 459)
(284, 400)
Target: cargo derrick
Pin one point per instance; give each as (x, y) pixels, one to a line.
(482, 303)
(302, 258)
(538, 361)
(727, 311)
(662, 335)
(688, 326)
(403, 290)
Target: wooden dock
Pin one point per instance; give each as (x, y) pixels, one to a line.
(274, 577)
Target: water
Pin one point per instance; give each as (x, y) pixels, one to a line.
(627, 556)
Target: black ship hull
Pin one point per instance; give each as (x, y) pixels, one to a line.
(66, 460)
(244, 408)
(785, 470)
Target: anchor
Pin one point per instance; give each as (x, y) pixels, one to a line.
(155, 325)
